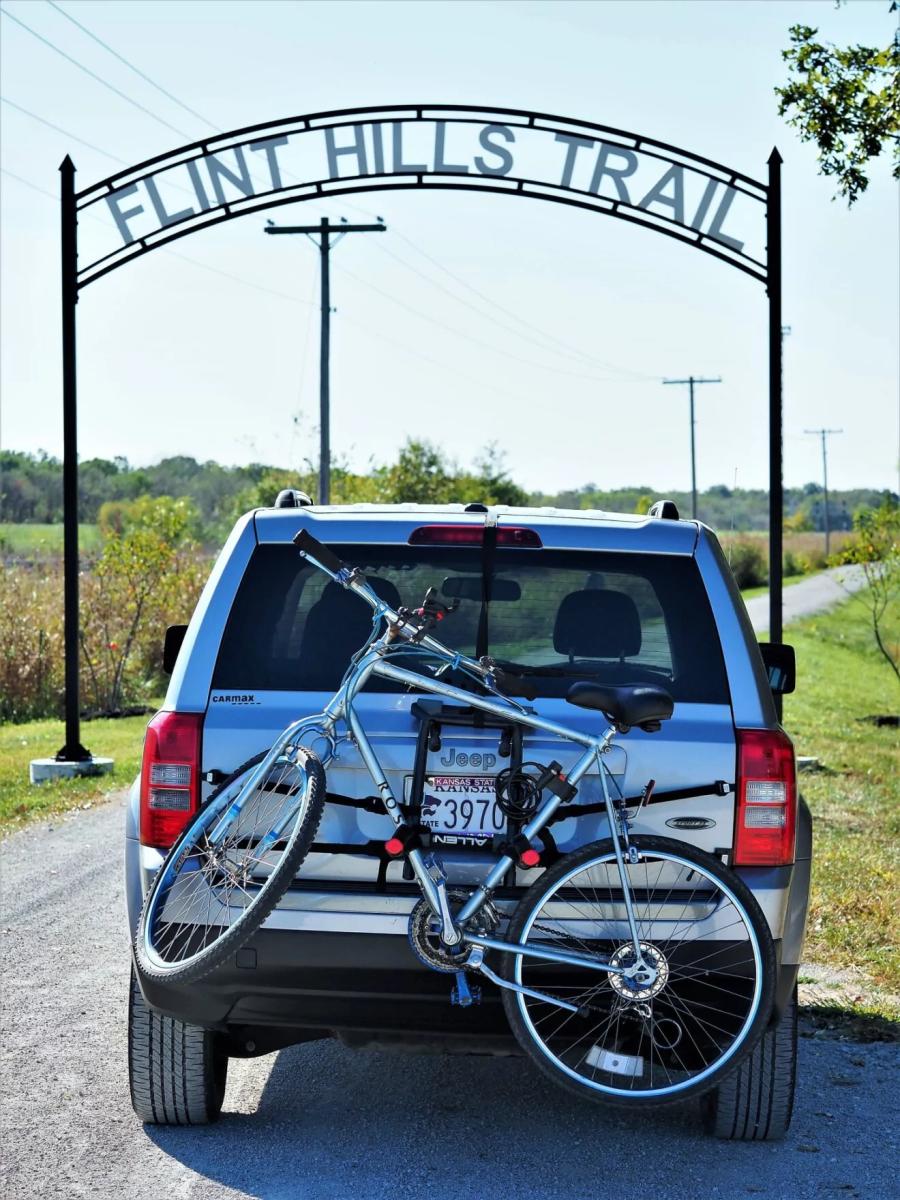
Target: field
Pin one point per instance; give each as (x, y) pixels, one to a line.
(28, 540)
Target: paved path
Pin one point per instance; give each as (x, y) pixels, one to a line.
(319, 1122)
(809, 596)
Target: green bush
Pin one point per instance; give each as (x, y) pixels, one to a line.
(748, 563)
(149, 575)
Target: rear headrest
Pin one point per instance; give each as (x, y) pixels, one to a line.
(597, 624)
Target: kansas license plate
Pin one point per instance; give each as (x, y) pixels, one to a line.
(461, 808)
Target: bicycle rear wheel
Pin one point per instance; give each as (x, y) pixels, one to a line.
(230, 867)
(677, 1036)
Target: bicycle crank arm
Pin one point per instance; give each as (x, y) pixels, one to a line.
(572, 960)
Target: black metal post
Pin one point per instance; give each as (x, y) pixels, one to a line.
(72, 751)
(776, 499)
(324, 366)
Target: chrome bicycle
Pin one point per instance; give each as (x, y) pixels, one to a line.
(635, 969)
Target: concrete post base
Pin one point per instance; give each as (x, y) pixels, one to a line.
(42, 769)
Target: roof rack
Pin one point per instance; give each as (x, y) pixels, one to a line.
(666, 509)
(292, 498)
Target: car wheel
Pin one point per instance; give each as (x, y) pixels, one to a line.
(755, 1104)
(176, 1071)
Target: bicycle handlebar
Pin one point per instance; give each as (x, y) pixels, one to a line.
(313, 548)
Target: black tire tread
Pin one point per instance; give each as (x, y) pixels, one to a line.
(708, 862)
(756, 1103)
(176, 1072)
(239, 934)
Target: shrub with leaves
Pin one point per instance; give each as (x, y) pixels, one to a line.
(875, 549)
(147, 577)
(31, 642)
(747, 559)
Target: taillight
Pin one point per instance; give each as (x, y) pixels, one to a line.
(765, 821)
(473, 535)
(170, 776)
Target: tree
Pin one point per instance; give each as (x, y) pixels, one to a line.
(876, 550)
(847, 101)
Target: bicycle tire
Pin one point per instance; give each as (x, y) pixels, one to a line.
(523, 1026)
(236, 935)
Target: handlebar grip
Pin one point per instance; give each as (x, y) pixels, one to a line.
(307, 544)
(515, 685)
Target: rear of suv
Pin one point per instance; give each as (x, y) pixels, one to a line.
(269, 642)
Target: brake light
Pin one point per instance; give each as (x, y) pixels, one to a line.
(766, 811)
(170, 776)
(473, 535)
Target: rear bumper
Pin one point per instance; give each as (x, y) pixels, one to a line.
(287, 986)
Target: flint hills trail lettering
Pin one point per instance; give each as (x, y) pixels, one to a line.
(622, 174)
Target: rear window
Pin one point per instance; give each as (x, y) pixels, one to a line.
(618, 618)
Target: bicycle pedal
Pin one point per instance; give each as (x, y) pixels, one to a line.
(463, 993)
(435, 869)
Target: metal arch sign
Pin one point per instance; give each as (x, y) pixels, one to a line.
(704, 204)
(609, 171)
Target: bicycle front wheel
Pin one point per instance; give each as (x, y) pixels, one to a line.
(678, 1034)
(230, 867)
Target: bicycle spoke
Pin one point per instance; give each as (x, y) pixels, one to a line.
(660, 1033)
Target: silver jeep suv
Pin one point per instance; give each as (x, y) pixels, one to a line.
(270, 640)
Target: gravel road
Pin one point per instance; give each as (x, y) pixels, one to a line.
(816, 594)
(319, 1122)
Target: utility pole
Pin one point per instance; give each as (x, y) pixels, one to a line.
(690, 381)
(324, 241)
(824, 434)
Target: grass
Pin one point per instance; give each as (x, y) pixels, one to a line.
(853, 922)
(762, 590)
(44, 539)
(22, 801)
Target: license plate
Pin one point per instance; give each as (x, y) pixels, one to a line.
(461, 808)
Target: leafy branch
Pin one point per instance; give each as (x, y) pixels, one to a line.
(847, 101)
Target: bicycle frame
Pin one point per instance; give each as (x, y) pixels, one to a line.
(374, 659)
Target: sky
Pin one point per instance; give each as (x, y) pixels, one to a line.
(476, 318)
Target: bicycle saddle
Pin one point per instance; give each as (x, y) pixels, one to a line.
(641, 704)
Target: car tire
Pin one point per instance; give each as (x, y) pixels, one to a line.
(756, 1103)
(176, 1071)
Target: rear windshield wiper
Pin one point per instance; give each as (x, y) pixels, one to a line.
(515, 668)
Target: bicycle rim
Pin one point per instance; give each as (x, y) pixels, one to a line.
(658, 1041)
(226, 873)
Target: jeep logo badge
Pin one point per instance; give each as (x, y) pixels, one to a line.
(690, 823)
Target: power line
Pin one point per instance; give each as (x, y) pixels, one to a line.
(58, 129)
(81, 67)
(260, 287)
(477, 341)
(528, 337)
(521, 320)
(121, 57)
